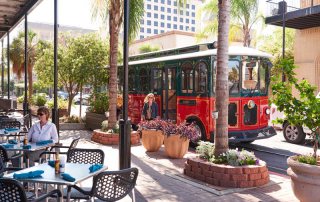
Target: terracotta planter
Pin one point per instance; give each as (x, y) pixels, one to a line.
(112, 138)
(305, 180)
(175, 146)
(152, 139)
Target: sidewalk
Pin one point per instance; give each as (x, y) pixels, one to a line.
(162, 179)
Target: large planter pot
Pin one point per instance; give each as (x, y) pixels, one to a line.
(94, 120)
(176, 146)
(305, 180)
(152, 139)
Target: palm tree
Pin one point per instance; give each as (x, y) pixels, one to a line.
(111, 12)
(16, 55)
(222, 94)
(244, 14)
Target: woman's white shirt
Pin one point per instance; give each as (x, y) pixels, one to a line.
(47, 132)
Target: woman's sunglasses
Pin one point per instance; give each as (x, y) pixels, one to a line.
(40, 114)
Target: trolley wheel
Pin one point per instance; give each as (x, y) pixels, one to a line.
(200, 128)
(293, 134)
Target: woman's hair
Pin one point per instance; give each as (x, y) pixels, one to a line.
(146, 99)
(44, 110)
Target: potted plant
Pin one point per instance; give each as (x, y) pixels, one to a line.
(233, 168)
(152, 135)
(304, 170)
(177, 138)
(108, 136)
(95, 114)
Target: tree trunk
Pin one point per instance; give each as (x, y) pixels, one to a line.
(222, 90)
(114, 27)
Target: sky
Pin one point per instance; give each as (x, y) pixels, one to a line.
(70, 12)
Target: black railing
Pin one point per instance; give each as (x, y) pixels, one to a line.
(275, 7)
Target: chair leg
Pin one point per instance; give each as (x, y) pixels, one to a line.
(133, 195)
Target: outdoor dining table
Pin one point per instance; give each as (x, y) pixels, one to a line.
(78, 171)
(34, 147)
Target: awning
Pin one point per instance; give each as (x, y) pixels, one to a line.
(12, 11)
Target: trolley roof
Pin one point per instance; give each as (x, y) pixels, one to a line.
(233, 51)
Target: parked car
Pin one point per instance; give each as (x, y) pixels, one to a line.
(85, 99)
(292, 134)
(63, 95)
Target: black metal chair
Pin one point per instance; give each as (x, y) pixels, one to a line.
(112, 185)
(88, 156)
(73, 145)
(4, 159)
(12, 190)
(10, 124)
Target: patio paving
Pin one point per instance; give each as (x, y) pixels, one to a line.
(162, 179)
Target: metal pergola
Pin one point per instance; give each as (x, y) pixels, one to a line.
(12, 13)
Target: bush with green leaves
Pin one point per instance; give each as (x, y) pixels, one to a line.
(39, 99)
(300, 111)
(205, 149)
(99, 103)
(105, 127)
(62, 104)
(20, 99)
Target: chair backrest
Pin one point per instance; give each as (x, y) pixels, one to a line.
(11, 190)
(74, 143)
(27, 121)
(3, 154)
(9, 124)
(114, 185)
(91, 156)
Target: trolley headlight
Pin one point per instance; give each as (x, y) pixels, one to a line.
(251, 104)
(267, 111)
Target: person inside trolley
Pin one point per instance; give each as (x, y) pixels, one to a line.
(150, 108)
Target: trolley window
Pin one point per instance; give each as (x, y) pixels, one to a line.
(201, 77)
(187, 78)
(144, 75)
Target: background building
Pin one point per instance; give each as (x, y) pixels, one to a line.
(165, 15)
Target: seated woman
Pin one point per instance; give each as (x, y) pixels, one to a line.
(41, 131)
(150, 108)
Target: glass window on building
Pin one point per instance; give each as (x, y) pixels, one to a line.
(187, 20)
(193, 7)
(181, 12)
(193, 22)
(187, 78)
(175, 3)
(155, 8)
(193, 14)
(188, 6)
(169, 10)
(181, 19)
(148, 6)
(156, 1)
(169, 17)
(187, 13)
(155, 31)
(162, 1)
(168, 25)
(156, 15)
(149, 31)
(148, 14)
(148, 22)
(141, 37)
(201, 78)
(193, 29)
(155, 23)
(187, 28)
(169, 2)
(175, 19)
(175, 11)
(181, 27)
(175, 26)
(162, 8)
(162, 17)
(142, 30)
(162, 24)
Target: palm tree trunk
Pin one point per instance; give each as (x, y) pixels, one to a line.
(114, 27)
(222, 92)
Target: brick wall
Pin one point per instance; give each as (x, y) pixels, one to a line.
(225, 175)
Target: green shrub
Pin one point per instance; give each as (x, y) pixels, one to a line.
(104, 126)
(20, 99)
(99, 103)
(39, 99)
(62, 104)
(308, 159)
(72, 119)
